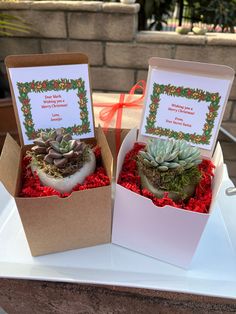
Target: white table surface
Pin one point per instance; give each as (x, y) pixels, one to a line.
(212, 272)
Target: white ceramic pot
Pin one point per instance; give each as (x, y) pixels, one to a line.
(65, 185)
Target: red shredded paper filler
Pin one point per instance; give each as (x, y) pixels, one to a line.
(201, 201)
(31, 186)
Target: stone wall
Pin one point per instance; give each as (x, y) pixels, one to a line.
(107, 33)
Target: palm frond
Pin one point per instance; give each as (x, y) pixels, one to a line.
(11, 23)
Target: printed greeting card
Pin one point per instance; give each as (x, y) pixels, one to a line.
(184, 106)
(50, 97)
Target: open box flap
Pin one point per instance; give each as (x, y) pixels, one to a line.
(218, 161)
(9, 164)
(126, 146)
(105, 151)
(227, 203)
(185, 100)
(51, 91)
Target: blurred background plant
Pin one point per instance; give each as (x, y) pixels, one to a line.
(154, 13)
(216, 15)
(215, 12)
(9, 24)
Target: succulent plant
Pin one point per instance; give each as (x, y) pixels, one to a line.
(58, 155)
(182, 30)
(169, 166)
(61, 162)
(170, 154)
(57, 148)
(199, 30)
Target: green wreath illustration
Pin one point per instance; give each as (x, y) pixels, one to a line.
(189, 93)
(53, 85)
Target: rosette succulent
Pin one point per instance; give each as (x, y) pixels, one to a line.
(169, 166)
(56, 157)
(57, 148)
(170, 154)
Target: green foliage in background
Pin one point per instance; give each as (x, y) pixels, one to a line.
(10, 23)
(159, 10)
(215, 12)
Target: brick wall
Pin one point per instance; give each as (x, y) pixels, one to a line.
(118, 53)
(107, 33)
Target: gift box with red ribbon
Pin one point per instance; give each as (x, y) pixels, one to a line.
(118, 113)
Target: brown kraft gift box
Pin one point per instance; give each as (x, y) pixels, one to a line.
(54, 224)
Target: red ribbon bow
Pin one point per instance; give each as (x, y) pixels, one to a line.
(109, 109)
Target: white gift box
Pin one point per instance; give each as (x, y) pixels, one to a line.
(168, 233)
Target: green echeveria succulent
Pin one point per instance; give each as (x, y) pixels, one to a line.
(199, 30)
(182, 30)
(57, 148)
(170, 154)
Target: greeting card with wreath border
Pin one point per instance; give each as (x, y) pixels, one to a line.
(49, 97)
(184, 106)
